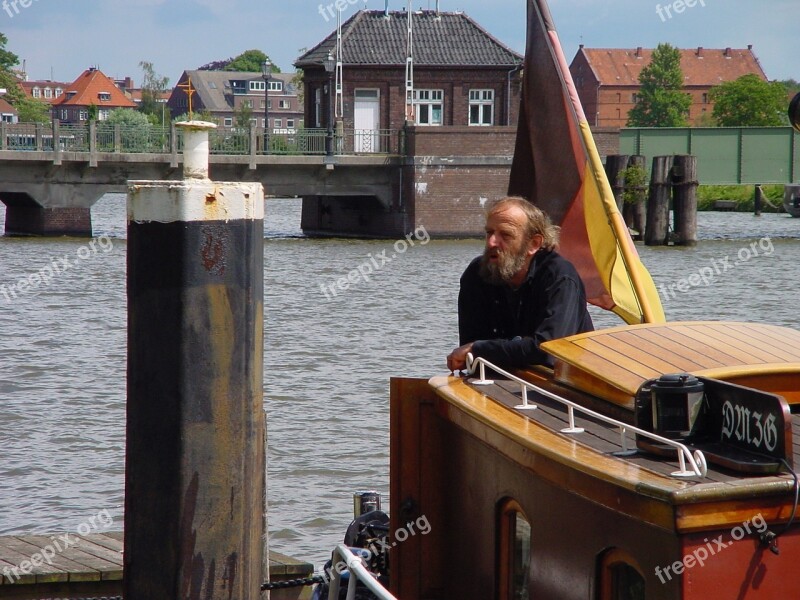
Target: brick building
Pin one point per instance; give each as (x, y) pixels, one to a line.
(45, 90)
(607, 79)
(462, 75)
(224, 94)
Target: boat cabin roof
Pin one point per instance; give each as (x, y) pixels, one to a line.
(614, 363)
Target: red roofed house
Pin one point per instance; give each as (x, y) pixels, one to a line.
(607, 80)
(8, 114)
(48, 91)
(92, 87)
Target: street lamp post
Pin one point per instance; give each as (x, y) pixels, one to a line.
(330, 65)
(266, 73)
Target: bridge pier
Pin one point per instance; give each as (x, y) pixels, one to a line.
(25, 216)
(352, 216)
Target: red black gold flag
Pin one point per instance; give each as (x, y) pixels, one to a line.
(557, 167)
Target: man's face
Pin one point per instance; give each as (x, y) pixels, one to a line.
(507, 254)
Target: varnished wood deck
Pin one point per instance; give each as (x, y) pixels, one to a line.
(640, 485)
(614, 363)
(91, 566)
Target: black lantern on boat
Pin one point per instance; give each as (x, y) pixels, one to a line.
(677, 400)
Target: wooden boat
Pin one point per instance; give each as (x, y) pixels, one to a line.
(519, 509)
(658, 462)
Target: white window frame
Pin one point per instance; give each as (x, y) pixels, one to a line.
(275, 85)
(277, 123)
(104, 96)
(59, 91)
(48, 92)
(481, 108)
(228, 122)
(103, 114)
(428, 104)
(283, 104)
(257, 85)
(290, 123)
(36, 92)
(83, 115)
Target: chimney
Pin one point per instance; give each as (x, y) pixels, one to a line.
(727, 52)
(639, 52)
(700, 52)
(750, 47)
(580, 47)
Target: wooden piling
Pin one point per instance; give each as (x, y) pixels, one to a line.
(758, 200)
(635, 211)
(657, 225)
(615, 171)
(195, 455)
(684, 195)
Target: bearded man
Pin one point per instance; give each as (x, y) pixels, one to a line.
(519, 293)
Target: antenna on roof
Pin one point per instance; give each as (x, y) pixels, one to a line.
(410, 67)
(437, 8)
(386, 10)
(339, 112)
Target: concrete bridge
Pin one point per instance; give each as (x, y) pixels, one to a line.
(383, 185)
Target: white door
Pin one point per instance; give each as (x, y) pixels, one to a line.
(366, 121)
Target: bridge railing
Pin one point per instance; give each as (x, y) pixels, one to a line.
(111, 138)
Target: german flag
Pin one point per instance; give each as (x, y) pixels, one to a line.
(556, 166)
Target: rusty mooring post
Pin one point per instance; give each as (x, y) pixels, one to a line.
(195, 457)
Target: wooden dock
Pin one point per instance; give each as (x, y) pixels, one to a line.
(71, 566)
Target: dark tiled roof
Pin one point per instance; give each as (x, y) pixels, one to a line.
(443, 39)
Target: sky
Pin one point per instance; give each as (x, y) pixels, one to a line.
(58, 39)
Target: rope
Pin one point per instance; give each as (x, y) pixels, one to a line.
(289, 583)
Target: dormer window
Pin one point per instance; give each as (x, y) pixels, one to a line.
(71, 94)
(36, 92)
(59, 91)
(48, 92)
(257, 86)
(275, 86)
(104, 96)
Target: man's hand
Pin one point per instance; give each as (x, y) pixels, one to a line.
(457, 359)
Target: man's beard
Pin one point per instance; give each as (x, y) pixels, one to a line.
(508, 264)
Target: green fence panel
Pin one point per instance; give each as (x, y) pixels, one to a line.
(725, 155)
(717, 152)
(766, 154)
(629, 141)
(664, 142)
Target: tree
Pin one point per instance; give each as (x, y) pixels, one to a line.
(243, 115)
(662, 103)
(749, 102)
(153, 87)
(250, 60)
(31, 110)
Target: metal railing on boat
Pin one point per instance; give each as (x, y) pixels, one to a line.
(358, 572)
(696, 459)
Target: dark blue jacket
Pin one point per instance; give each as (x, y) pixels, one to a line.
(508, 325)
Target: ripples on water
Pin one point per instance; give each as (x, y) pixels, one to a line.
(327, 360)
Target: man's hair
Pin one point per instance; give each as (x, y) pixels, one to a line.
(538, 223)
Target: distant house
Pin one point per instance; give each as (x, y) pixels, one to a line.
(45, 90)
(462, 75)
(135, 94)
(607, 79)
(91, 88)
(8, 114)
(226, 94)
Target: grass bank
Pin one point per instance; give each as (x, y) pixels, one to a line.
(742, 195)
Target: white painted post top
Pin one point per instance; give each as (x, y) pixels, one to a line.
(195, 148)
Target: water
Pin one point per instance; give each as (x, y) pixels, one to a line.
(328, 358)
